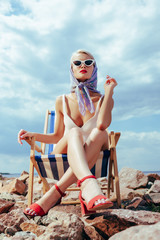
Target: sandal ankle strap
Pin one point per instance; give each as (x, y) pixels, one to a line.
(60, 192)
(83, 179)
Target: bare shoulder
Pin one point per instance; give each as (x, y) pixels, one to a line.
(59, 102)
(96, 97)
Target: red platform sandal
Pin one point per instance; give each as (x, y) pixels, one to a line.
(38, 211)
(90, 208)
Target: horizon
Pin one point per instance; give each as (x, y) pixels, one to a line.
(36, 174)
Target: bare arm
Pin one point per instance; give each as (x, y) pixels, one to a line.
(105, 113)
(47, 138)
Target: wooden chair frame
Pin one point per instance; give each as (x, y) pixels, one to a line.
(113, 178)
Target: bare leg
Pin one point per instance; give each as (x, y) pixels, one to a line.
(79, 155)
(76, 154)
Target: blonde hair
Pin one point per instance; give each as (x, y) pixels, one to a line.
(82, 51)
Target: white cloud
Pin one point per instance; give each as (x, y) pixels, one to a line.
(49, 15)
(14, 164)
(139, 150)
(38, 38)
(5, 7)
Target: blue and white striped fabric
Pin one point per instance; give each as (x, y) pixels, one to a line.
(54, 166)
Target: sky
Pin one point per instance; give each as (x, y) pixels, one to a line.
(37, 39)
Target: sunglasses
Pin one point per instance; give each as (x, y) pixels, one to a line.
(87, 62)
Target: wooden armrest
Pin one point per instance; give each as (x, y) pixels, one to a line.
(37, 148)
(114, 137)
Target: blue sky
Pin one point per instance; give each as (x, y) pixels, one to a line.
(36, 42)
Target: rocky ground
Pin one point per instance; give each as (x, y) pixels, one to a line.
(138, 218)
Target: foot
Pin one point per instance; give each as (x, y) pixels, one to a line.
(46, 202)
(34, 210)
(90, 189)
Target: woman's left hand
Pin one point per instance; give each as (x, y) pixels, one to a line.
(110, 82)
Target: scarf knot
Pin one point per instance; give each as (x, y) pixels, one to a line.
(81, 85)
(82, 91)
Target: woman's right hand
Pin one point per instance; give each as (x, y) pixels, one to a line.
(23, 135)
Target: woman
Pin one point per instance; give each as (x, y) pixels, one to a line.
(80, 131)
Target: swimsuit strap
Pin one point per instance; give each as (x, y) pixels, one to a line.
(97, 108)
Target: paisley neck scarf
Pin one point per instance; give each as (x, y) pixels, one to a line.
(83, 96)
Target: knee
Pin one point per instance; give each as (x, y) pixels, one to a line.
(99, 135)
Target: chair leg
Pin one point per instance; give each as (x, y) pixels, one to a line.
(112, 177)
(116, 178)
(109, 177)
(45, 183)
(30, 186)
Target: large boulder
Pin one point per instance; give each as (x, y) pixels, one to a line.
(15, 186)
(113, 221)
(132, 178)
(153, 176)
(151, 232)
(154, 192)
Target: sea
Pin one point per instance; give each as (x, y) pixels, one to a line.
(13, 175)
(17, 175)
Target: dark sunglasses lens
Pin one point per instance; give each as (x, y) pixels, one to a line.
(77, 63)
(88, 62)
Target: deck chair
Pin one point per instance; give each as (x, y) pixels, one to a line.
(54, 166)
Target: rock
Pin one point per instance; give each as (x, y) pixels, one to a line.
(71, 196)
(140, 192)
(149, 185)
(106, 224)
(33, 227)
(91, 233)
(68, 208)
(10, 231)
(136, 202)
(23, 177)
(132, 178)
(112, 221)
(152, 177)
(7, 196)
(15, 186)
(37, 189)
(62, 226)
(155, 197)
(129, 194)
(154, 192)
(5, 206)
(23, 236)
(126, 193)
(24, 173)
(139, 232)
(137, 217)
(2, 236)
(12, 220)
(155, 187)
(65, 221)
